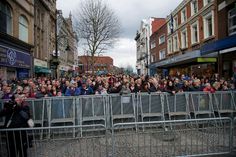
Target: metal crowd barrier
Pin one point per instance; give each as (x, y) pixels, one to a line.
(2, 120)
(122, 108)
(213, 137)
(224, 103)
(234, 135)
(61, 143)
(150, 106)
(110, 109)
(195, 140)
(177, 105)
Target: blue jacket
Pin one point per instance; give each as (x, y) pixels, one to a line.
(70, 92)
(86, 91)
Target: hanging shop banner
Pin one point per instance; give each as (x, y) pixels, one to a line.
(14, 58)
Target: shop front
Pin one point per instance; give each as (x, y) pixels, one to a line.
(14, 63)
(226, 54)
(63, 70)
(41, 68)
(188, 64)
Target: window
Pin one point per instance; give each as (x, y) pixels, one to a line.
(153, 44)
(183, 15)
(194, 7)
(168, 27)
(153, 58)
(194, 33)
(161, 39)
(23, 29)
(169, 46)
(208, 22)
(162, 54)
(5, 18)
(232, 21)
(175, 43)
(205, 2)
(184, 39)
(175, 23)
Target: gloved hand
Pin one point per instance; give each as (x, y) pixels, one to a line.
(30, 123)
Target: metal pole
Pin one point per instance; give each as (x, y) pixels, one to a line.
(56, 48)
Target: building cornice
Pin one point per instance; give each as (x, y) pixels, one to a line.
(14, 42)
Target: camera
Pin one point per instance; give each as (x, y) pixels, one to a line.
(10, 105)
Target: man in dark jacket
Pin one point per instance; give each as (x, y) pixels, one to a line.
(16, 114)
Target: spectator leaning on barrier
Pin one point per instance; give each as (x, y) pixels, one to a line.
(196, 85)
(208, 88)
(125, 89)
(170, 88)
(72, 90)
(85, 89)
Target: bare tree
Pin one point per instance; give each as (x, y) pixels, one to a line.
(97, 26)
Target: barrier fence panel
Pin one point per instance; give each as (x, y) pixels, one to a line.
(224, 103)
(61, 111)
(60, 144)
(2, 119)
(150, 107)
(177, 106)
(38, 109)
(184, 140)
(122, 108)
(93, 110)
(201, 105)
(234, 135)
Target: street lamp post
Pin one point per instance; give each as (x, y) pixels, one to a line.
(55, 60)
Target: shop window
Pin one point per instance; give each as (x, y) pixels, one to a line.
(5, 18)
(208, 22)
(232, 21)
(23, 29)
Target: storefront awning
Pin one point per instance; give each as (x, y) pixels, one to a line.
(188, 57)
(219, 45)
(38, 69)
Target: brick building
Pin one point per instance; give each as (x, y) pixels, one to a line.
(190, 26)
(102, 64)
(225, 47)
(142, 38)
(158, 47)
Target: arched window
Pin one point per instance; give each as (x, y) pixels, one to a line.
(23, 29)
(5, 18)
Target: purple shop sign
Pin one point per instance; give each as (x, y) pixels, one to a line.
(13, 58)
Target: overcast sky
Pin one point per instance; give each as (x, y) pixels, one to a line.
(130, 14)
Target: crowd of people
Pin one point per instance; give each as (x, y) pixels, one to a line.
(88, 85)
